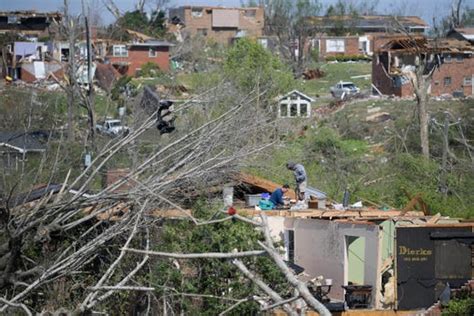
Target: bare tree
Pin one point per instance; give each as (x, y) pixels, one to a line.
(427, 60)
(70, 28)
(289, 21)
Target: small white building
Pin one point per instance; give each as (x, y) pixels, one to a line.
(295, 104)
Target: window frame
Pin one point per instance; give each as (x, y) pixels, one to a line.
(123, 50)
(337, 45)
(154, 51)
(202, 31)
(467, 81)
(447, 81)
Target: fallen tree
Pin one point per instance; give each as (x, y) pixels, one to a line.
(64, 251)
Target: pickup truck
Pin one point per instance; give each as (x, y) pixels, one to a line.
(112, 128)
(343, 90)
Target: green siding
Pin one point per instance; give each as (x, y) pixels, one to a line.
(388, 233)
(355, 259)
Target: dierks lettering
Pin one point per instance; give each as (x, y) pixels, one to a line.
(406, 251)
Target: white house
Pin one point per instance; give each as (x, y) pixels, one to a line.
(295, 104)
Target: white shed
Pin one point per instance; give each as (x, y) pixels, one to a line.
(295, 104)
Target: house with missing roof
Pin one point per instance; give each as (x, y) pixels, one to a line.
(128, 58)
(451, 62)
(350, 36)
(31, 24)
(376, 260)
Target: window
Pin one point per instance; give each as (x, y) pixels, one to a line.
(202, 32)
(120, 51)
(335, 45)
(467, 81)
(196, 12)
(459, 57)
(152, 52)
(12, 19)
(250, 13)
(293, 110)
(303, 110)
(283, 110)
(447, 58)
(447, 81)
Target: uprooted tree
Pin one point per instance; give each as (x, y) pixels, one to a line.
(75, 250)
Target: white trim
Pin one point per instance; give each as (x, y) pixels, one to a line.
(297, 92)
(21, 150)
(121, 54)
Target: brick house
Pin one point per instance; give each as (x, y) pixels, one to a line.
(219, 23)
(129, 58)
(452, 63)
(348, 35)
(337, 45)
(462, 34)
(30, 24)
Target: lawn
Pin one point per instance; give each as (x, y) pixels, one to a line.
(334, 73)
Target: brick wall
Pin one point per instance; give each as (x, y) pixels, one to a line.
(386, 84)
(456, 70)
(139, 55)
(252, 25)
(351, 46)
(29, 77)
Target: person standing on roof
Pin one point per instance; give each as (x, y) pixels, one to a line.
(300, 178)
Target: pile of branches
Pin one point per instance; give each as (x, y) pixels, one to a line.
(84, 237)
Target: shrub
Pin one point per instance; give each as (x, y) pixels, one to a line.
(150, 69)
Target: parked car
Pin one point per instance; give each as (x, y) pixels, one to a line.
(112, 128)
(343, 90)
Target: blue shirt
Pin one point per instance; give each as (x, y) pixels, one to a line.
(277, 197)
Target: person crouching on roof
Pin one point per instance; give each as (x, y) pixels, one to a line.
(277, 197)
(300, 179)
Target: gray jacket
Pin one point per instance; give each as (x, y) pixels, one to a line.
(300, 173)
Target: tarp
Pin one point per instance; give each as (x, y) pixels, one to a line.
(25, 48)
(225, 18)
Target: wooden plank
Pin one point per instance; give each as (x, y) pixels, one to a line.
(263, 184)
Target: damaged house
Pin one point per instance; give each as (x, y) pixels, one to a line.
(366, 259)
(31, 24)
(376, 260)
(357, 35)
(28, 61)
(450, 60)
(220, 24)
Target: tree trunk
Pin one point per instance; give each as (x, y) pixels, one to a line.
(423, 117)
(72, 84)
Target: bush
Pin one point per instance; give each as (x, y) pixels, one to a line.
(459, 307)
(250, 65)
(150, 69)
(315, 54)
(343, 58)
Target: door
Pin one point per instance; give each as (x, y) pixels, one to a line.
(355, 264)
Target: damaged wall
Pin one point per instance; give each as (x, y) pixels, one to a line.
(38, 70)
(321, 248)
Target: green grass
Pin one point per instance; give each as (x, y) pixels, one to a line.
(335, 73)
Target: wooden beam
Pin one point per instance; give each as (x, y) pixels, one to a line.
(263, 184)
